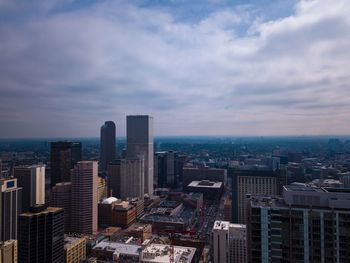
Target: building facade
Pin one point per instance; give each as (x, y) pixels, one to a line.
(61, 196)
(164, 169)
(84, 197)
(10, 207)
(74, 249)
(107, 144)
(32, 181)
(139, 145)
(9, 251)
(41, 235)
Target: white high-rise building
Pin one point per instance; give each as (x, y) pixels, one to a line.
(139, 145)
(229, 242)
(32, 180)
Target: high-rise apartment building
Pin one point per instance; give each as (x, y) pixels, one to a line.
(32, 181)
(250, 180)
(10, 207)
(307, 224)
(41, 235)
(164, 169)
(107, 144)
(139, 144)
(61, 196)
(84, 197)
(64, 155)
(126, 178)
(9, 251)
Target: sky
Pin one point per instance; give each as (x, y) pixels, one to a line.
(199, 67)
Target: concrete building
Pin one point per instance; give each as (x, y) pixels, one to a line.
(139, 145)
(107, 144)
(74, 249)
(164, 169)
(32, 181)
(101, 189)
(41, 235)
(126, 178)
(209, 189)
(61, 196)
(238, 243)
(159, 253)
(84, 197)
(116, 251)
(221, 242)
(228, 210)
(250, 180)
(64, 155)
(307, 224)
(203, 173)
(10, 207)
(9, 251)
(229, 242)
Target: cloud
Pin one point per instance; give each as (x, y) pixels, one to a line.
(230, 71)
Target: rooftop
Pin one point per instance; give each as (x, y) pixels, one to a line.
(119, 248)
(70, 241)
(161, 253)
(205, 184)
(221, 225)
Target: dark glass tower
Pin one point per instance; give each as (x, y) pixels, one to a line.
(41, 235)
(107, 144)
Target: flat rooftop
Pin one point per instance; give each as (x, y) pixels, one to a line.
(71, 241)
(161, 253)
(205, 184)
(303, 187)
(221, 225)
(119, 248)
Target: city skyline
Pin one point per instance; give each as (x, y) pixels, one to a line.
(212, 67)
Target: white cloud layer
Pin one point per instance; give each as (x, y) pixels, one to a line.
(65, 69)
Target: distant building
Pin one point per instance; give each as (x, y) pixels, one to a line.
(229, 242)
(203, 173)
(228, 210)
(84, 197)
(159, 253)
(209, 189)
(61, 196)
(64, 155)
(101, 189)
(10, 207)
(116, 251)
(74, 249)
(107, 144)
(9, 251)
(307, 224)
(126, 178)
(32, 181)
(250, 180)
(41, 235)
(164, 169)
(139, 145)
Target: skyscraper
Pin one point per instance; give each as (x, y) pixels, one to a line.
(41, 235)
(84, 197)
(221, 242)
(307, 224)
(64, 155)
(61, 196)
(139, 144)
(126, 178)
(164, 169)
(10, 207)
(32, 181)
(107, 144)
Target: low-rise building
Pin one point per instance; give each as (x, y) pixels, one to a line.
(74, 249)
(159, 253)
(116, 251)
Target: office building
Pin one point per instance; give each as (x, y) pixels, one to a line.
(107, 144)
(238, 243)
(159, 253)
(126, 178)
(41, 235)
(74, 249)
(101, 189)
(9, 251)
(228, 210)
(306, 224)
(64, 155)
(110, 251)
(84, 197)
(164, 169)
(203, 173)
(229, 242)
(32, 181)
(250, 180)
(61, 196)
(210, 190)
(139, 145)
(10, 207)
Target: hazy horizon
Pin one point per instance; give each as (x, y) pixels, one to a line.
(200, 68)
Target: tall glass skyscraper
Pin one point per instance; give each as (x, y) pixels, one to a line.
(107, 144)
